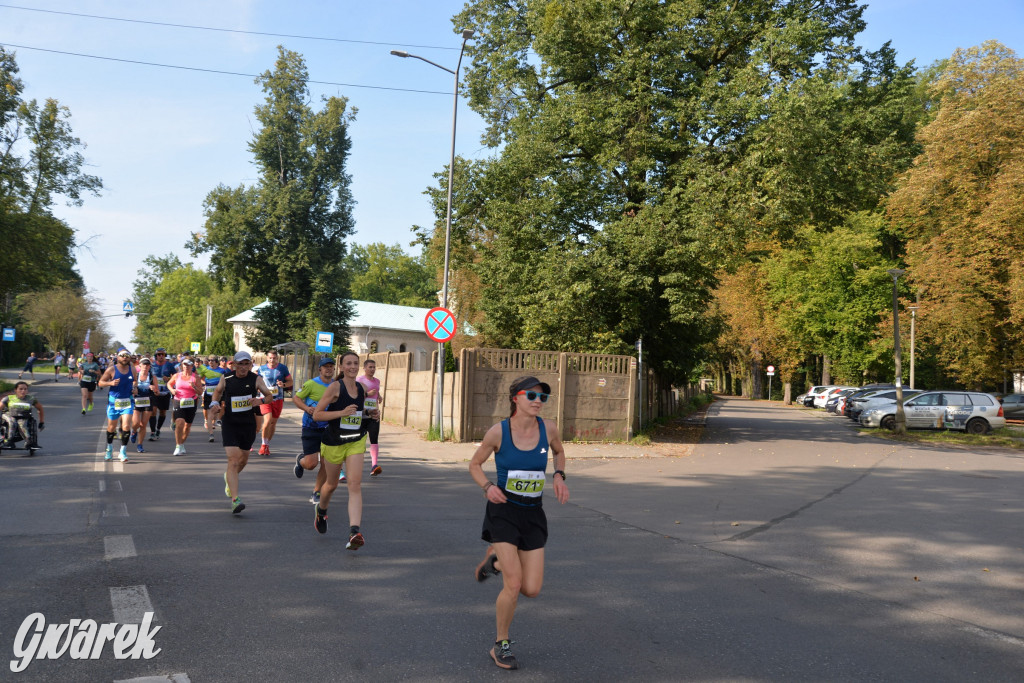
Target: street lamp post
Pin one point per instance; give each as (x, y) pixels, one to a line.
(913, 320)
(466, 35)
(901, 418)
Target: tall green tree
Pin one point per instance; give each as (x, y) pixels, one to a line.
(386, 274)
(641, 145)
(285, 236)
(62, 316)
(40, 160)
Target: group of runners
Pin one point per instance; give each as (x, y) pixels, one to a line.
(340, 422)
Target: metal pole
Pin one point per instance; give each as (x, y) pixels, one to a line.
(913, 319)
(209, 322)
(901, 418)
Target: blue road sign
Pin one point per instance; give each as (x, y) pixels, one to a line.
(8, 334)
(128, 307)
(324, 341)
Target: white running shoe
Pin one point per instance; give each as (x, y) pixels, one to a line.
(178, 450)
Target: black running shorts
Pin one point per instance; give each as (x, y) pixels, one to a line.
(524, 527)
(186, 414)
(207, 400)
(238, 436)
(311, 440)
(88, 386)
(162, 401)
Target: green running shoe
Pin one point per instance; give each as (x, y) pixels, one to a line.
(237, 506)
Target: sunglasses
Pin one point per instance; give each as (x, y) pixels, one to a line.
(535, 395)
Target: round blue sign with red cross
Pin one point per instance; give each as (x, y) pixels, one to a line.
(440, 324)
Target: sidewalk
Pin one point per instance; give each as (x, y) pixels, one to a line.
(409, 443)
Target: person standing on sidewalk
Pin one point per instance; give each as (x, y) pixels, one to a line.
(29, 366)
(515, 526)
(344, 442)
(238, 392)
(373, 401)
(276, 376)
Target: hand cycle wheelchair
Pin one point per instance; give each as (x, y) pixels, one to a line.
(29, 425)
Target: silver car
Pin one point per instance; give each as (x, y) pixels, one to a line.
(970, 411)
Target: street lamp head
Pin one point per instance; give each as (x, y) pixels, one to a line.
(467, 33)
(400, 53)
(895, 272)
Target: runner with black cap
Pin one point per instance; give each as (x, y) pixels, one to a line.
(163, 370)
(515, 526)
(238, 391)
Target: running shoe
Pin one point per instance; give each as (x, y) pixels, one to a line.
(299, 469)
(156, 435)
(315, 498)
(264, 449)
(375, 471)
(140, 449)
(320, 520)
(355, 542)
(123, 455)
(134, 437)
(220, 423)
(343, 477)
(152, 437)
(109, 453)
(211, 438)
(486, 568)
(237, 505)
(502, 655)
(178, 450)
(183, 449)
(83, 411)
(227, 489)
(90, 407)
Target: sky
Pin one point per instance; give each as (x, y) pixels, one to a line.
(161, 139)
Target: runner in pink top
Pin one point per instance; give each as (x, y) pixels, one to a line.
(186, 389)
(371, 386)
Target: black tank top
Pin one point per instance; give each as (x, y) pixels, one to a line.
(237, 410)
(342, 430)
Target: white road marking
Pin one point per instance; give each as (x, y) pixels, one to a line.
(103, 485)
(173, 678)
(118, 547)
(116, 510)
(130, 604)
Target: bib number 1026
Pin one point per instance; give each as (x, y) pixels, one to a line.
(525, 483)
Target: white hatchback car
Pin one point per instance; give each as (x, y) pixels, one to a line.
(969, 411)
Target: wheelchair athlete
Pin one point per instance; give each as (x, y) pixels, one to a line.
(17, 417)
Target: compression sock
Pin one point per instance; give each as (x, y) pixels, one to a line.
(353, 530)
(110, 437)
(152, 423)
(160, 422)
(373, 454)
(124, 437)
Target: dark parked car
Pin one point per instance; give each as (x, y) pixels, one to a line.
(1013, 406)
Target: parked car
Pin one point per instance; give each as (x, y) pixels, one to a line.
(1013, 406)
(813, 394)
(970, 411)
(854, 411)
(861, 392)
(821, 399)
(834, 401)
(885, 398)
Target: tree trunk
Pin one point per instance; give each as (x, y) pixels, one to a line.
(757, 381)
(787, 393)
(826, 370)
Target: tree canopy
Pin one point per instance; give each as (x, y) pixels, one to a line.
(285, 237)
(386, 274)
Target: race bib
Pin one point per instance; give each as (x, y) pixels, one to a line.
(529, 483)
(354, 421)
(161, 381)
(122, 403)
(187, 403)
(142, 402)
(240, 404)
(211, 389)
(370, 403)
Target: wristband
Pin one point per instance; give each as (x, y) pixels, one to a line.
(214, 404)
(487, 486)
(561, 472)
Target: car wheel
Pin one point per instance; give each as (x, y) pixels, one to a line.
(977, 426)
(888, 422)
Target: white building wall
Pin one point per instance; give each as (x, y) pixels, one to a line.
(363, 339)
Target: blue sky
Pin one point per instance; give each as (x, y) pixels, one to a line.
(161, 139)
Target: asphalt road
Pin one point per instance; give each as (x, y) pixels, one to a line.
(785, 548)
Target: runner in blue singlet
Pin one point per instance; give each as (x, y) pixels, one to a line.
(120, 378)
(514, 524)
